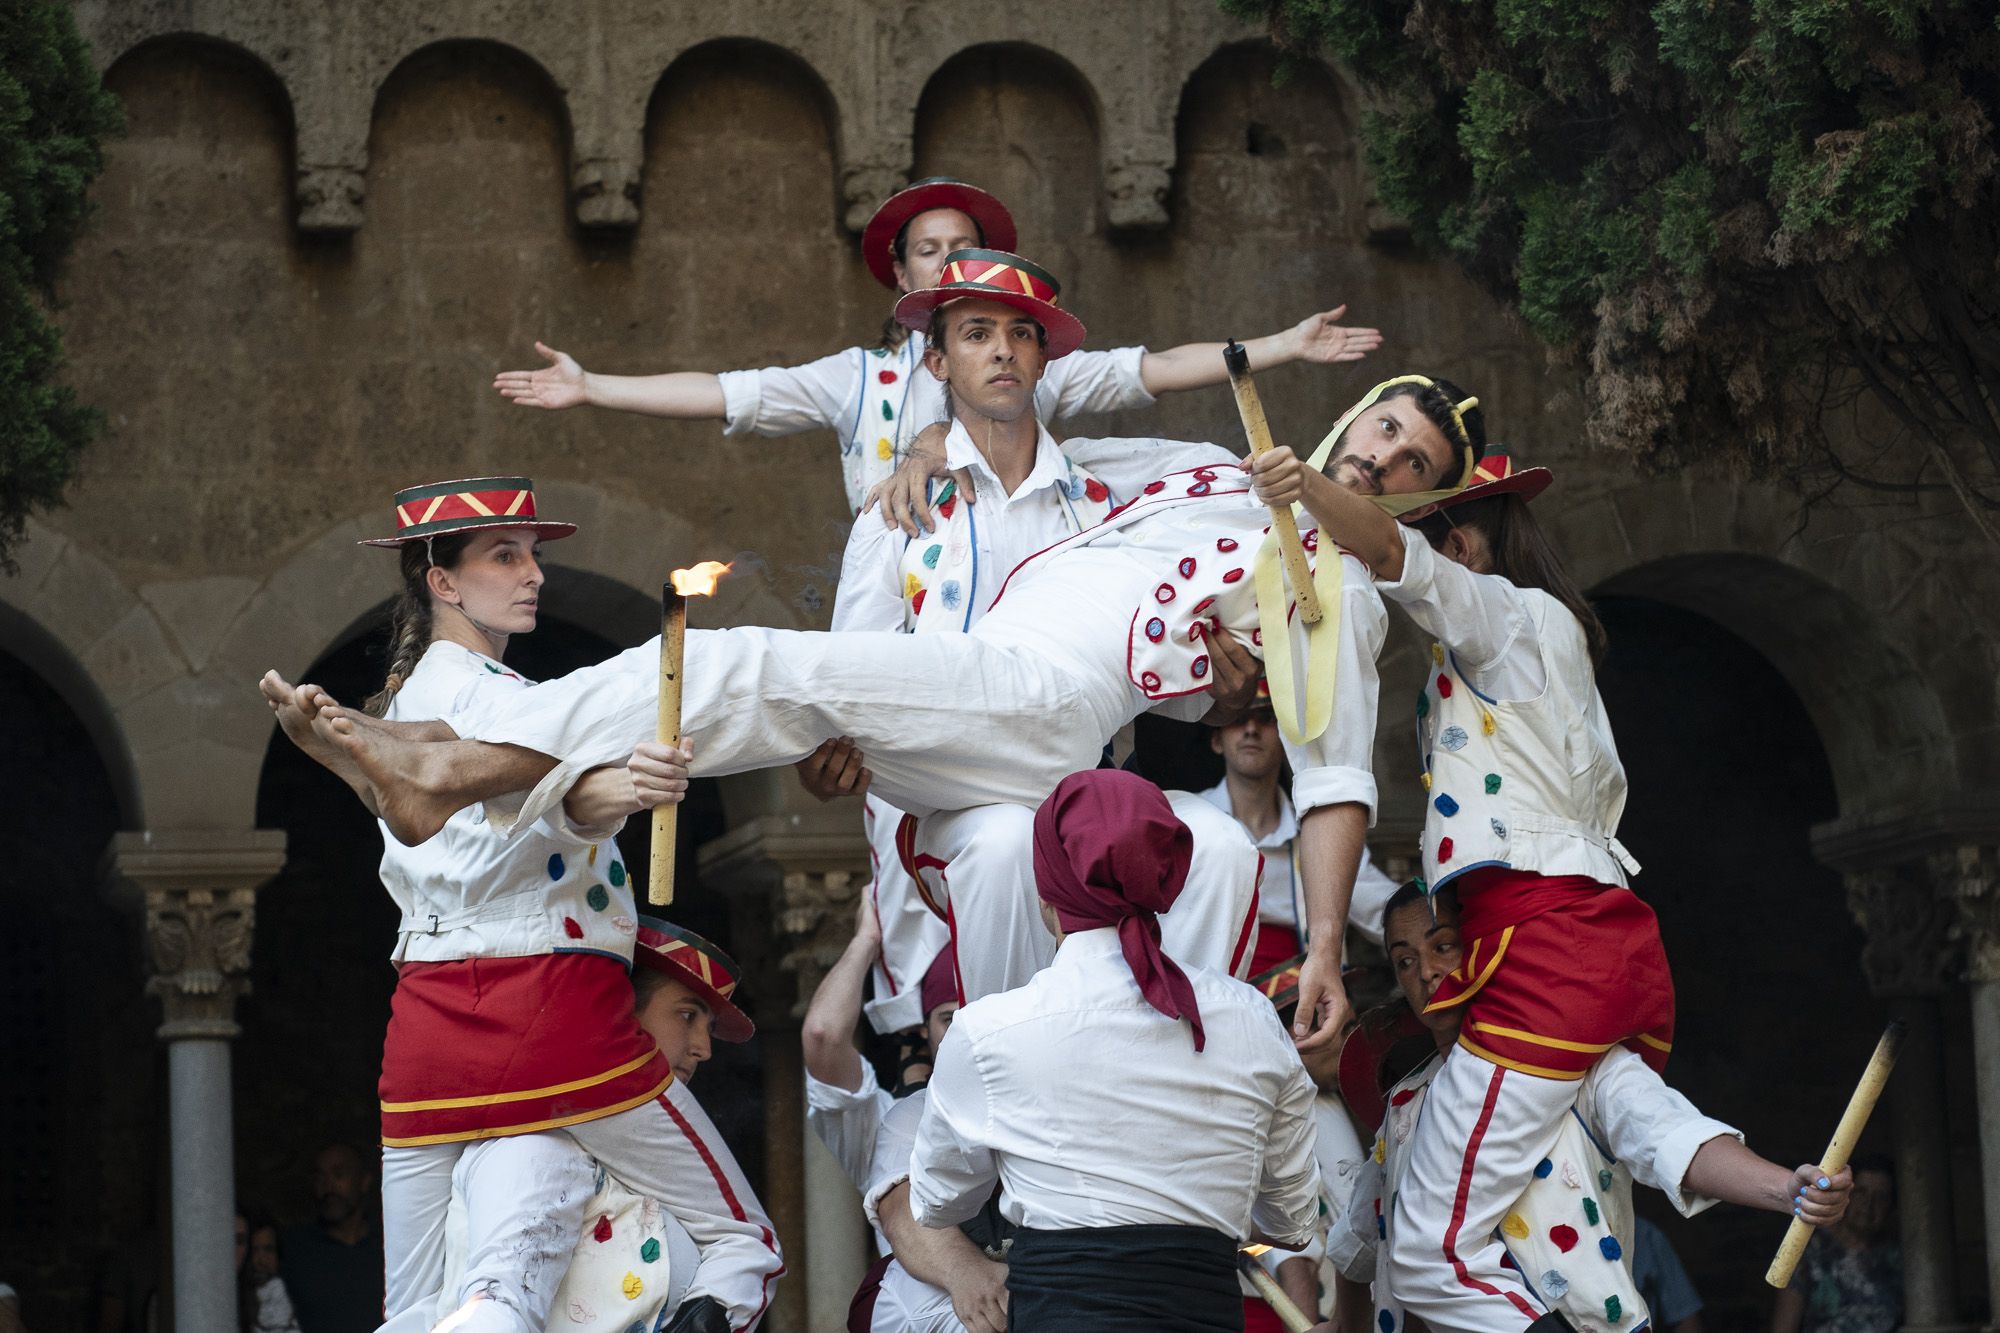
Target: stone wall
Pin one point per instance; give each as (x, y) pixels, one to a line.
(328, 226)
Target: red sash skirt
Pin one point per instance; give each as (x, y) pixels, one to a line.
(482, 1048)
(1555, 971)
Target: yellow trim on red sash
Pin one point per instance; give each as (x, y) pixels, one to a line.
(1656, 1043)
(1556, 1043)
(496, 1099)
(1539, 1071)
(1485, 975)
(504, 1131)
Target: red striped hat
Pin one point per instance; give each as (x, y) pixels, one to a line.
(995, 275)
(878, 238)
(698, 965)
(1495, 474)
(466, 506)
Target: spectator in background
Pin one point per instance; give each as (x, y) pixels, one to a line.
(1656, 1270)
(10, 1310)
(1851, 1279)
(262, 1303)
(333, 1265)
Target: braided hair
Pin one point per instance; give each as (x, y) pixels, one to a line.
(410, 619)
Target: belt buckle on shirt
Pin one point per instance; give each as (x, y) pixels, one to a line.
(434, 924)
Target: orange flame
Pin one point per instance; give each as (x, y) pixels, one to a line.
(699, 581)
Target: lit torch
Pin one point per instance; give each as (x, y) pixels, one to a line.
(686, 583)
(1294, 1319)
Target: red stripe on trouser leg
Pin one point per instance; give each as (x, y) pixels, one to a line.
(728, 1197)
(1464, 1189)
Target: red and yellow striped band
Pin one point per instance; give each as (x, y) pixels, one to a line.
(495, 500)
(987, 270)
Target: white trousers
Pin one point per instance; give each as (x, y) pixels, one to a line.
(980, 865)
(907, 1304)
(911, 933)
(522, 1201)
(1002, 713)
(520, 1204)
(1475, 1148)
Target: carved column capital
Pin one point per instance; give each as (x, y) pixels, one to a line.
(201, 895)
(1907, 922)
(329, 197)
(864, 186)
(1971, 875)
(803, 873)
(1135, 192)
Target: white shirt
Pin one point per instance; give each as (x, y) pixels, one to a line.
(827, 393)
(1093, 1109)
(1007, 528)
(1484, 619)
(469, 892)
(1278, 900)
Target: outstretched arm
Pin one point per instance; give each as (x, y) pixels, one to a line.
(1354, 521)
(836, 1006)
(687, 395)
(1321, 339)
(1723, 1168)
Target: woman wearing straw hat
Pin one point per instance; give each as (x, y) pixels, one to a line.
(1524, 790)
(875, 397)
(508, 947)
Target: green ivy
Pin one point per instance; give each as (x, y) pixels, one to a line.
(53, 113)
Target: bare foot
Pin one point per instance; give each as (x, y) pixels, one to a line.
(410, 780)
(295, 709)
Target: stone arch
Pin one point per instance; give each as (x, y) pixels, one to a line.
(741, 154)
(1025, 123)
(1731, 554)
(1251, 154)
(51, 660)
(460, 163)
(1877, 716)
(265, 69)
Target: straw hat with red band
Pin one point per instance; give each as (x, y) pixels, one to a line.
(1361, 1057)
(878, 238)
(698, 965)
(995, 275)
(446, 507)
(1495, 474)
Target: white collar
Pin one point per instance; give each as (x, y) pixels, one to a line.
(1286, 829)
(1051, 467)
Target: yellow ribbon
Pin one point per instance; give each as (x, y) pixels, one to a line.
(1273, 605)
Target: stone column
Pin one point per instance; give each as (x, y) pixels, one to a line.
(797, 876)
(1973, 874)
(201, 890)
(1909, 956)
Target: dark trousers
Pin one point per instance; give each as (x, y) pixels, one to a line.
(1145, 1279)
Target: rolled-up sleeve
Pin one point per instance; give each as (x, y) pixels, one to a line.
(895, 1140)
(1085, 382)
(1482, 617)
(1337, 768)
(784, 400)
(952, 1170)
(1651, 1128)
(848, 1123)
(1351, 1241)
(870, 597)
(1287, 1204)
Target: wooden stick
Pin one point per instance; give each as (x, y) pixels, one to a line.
(1289, 1314)
(1251, 409)
(1837, 1152)
(666, 818)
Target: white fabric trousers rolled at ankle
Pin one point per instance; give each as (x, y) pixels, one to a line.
(980, 863)
(946, 721)
(1482, 1133)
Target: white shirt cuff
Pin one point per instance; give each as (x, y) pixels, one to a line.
(1677, 1150)
(832, 1097)
(1333, 785)
(871, 1200)
(1132, 372)
(742, 394)
(1415, 585)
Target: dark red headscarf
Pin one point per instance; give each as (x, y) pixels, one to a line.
(940, 983)
(1109, 851)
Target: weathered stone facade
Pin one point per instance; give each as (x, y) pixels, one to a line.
(328, 225)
